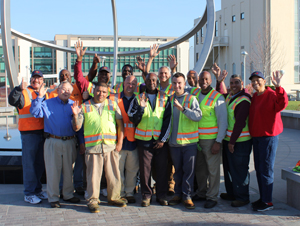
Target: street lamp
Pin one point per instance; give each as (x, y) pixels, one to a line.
(244, 54)
(103, 60)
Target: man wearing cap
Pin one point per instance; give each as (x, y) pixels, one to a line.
(32, 136)
(82, 83)
(60, 145)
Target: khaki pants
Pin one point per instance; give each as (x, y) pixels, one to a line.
(59, 157)
(94, 169)
(129, 166)
(208, 168)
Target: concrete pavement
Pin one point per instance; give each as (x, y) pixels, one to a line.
(14, 211)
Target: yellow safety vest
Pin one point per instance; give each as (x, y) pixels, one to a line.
(245, 134)
(169, 90)
(152, 121)
(187, 129)
(100, 129)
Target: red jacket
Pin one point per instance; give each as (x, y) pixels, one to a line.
(264, 116)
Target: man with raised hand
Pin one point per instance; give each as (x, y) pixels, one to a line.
(60, 145)
(129, 159)
(183, 141)
(151, 113)
(32, 137)
(103, 134)
(212, 130)
(78, 176)
(82, 83)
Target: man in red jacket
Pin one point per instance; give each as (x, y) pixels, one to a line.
(265, 125)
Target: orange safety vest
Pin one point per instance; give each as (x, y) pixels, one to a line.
(27, 122)
(129, 128)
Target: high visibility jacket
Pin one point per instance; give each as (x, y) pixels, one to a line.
(195, 91)
(75, 96)
(187, 129)
(152, 121)
(208, 125)
(129, 128)
(91, 88)
(27, 122)
(119, 88)
(245, 134)
(169, 90)
(99, 129)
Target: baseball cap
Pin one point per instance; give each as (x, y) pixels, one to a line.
(104, 68)
(39, 73)
(258, 74)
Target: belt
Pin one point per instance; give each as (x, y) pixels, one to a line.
(62, 138)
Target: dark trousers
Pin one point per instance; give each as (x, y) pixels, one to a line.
(264, 150)
(184, 160)
(157, 158)
(236, 169)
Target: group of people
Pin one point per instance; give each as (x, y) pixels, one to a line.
(168, 131)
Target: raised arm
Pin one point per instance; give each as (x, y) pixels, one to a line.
(282, 98)
(142, 66)
(220, 77)
(16, 97)
(93, 70)
(152, 54)
(172, 63)
(81, 82)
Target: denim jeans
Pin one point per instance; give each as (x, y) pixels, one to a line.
(184, 160)
(264, 149)
(32, 162)
(236, 169)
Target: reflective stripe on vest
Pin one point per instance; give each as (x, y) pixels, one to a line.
(208, 130)
(26, 116)
(169, 90)
(187, 129)
(152, 121)
(245, 134)
(211, 98)
(195, 91)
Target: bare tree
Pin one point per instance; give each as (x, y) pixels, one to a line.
(267, 52)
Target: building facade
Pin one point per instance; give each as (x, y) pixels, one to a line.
(33, 57)
(268, 30)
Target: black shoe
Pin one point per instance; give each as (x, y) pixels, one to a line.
(198, 198)
(256, 203)
(55, 204)
(175, 201)
(79, 190)
(225, 196)
(73, 200)
(239, 203)
(263, 207)
(171, 193)
(209, 204)
(130, 199)
(162, 202)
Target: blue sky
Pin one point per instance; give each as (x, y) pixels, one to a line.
(44, 19)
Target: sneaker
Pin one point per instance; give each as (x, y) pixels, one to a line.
(263, 207)
(226, 196)
(188, 203)
(94, 208)
(118, 203)
(239, 203)
(32, 199)
(124, 200)
(175, 201)
(103, 192)
(256, 203)
(42, 195)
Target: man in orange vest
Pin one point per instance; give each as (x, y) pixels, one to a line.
(129, 159)
(32, 136)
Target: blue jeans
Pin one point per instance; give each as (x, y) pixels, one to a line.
(184, 160)
(33, 162)
(264, 149)
(236, 169)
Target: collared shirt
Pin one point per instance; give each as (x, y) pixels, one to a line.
(57, 115)
(127, 145)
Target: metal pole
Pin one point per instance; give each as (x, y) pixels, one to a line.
(7, 136)
(113, 6)
(244, 70)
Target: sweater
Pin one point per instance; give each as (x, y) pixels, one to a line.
(264, 115)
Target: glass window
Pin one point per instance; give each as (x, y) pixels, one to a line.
(216, 29)
(242, 15)
(233, 18)
(233, 68)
